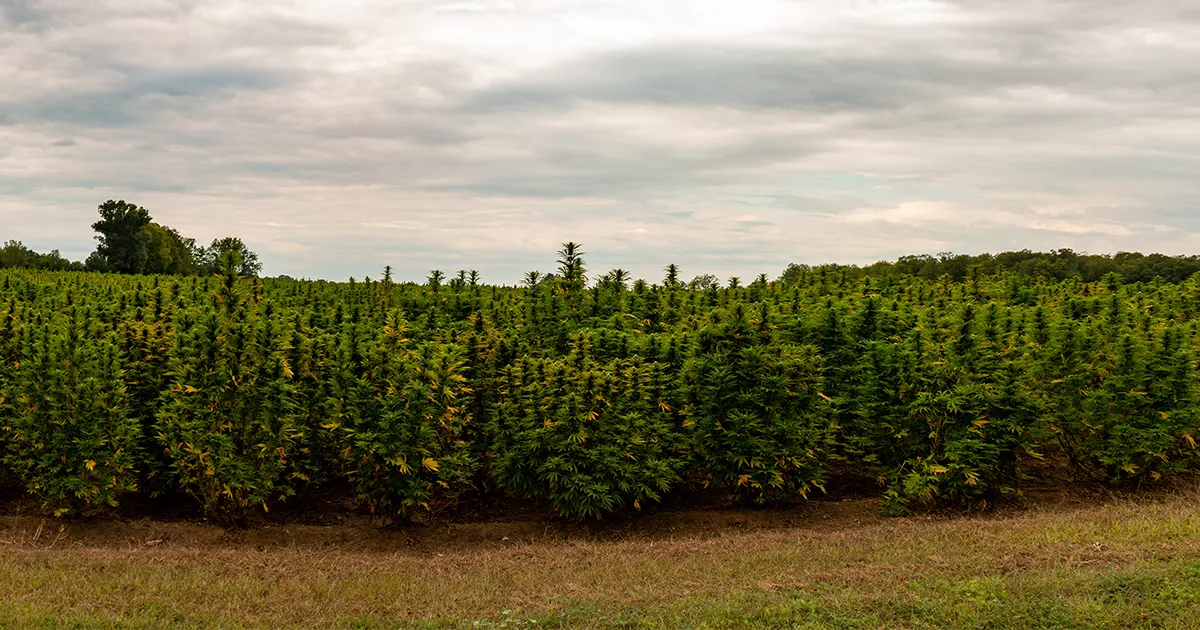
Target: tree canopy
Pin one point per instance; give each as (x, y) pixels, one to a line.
(131, 242)
(208, 259)
(124, 245)
(15, 254)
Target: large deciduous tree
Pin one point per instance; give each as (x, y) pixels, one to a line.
(124, 245)
(131, 242)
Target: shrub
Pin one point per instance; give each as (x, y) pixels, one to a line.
(763, 427)
(591, 438)
(226, 422)
(1120, 417)
(401, 421)
(67, 432)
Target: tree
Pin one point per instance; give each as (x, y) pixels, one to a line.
(795, 272)
(123, 243)
(15, 254)
(704, 281)
(160, 254)
(208, 258)
(183, 253)
(168, 252)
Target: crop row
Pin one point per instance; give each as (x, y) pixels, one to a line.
(244, 393)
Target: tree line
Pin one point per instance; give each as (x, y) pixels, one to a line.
(1059, 264)
(240, 394)
(131, 242)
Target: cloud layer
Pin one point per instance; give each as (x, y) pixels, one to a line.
(731, 138)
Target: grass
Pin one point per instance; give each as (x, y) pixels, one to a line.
(1118, 565)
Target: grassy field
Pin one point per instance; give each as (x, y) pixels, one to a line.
(1111, 564)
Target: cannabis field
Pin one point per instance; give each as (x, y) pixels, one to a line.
(589, 397)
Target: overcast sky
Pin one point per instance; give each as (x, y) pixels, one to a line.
(730, 137)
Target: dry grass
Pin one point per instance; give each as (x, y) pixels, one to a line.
(876, 572)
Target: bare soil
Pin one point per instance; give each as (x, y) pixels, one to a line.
(503, 524)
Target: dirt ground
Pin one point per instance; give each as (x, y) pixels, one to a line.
(506, 524)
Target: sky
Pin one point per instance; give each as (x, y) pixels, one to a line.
(732, 138)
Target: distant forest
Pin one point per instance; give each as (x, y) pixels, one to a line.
(130, 242)
(1059, 264)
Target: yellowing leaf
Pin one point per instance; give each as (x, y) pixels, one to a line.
(91, 464)
(938, 470)
(430, 463)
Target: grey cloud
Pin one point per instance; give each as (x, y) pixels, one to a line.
(982, 93)
(700, 152)
(704, 77)
(803, 78)
(141, 95)
(588, 164)
(24, 14)
(693, 78)
(65, 142)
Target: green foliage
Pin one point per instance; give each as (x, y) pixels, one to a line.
(208, 259)
(590, 437)
(1120, 416)
(402, 418)
(67, 434)
(226, 421)
(146, 349)
(123, 240)
(167, 252)
(943, 383)
(130, 242)
(763, 425)
(14, 254)
(969, 422)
